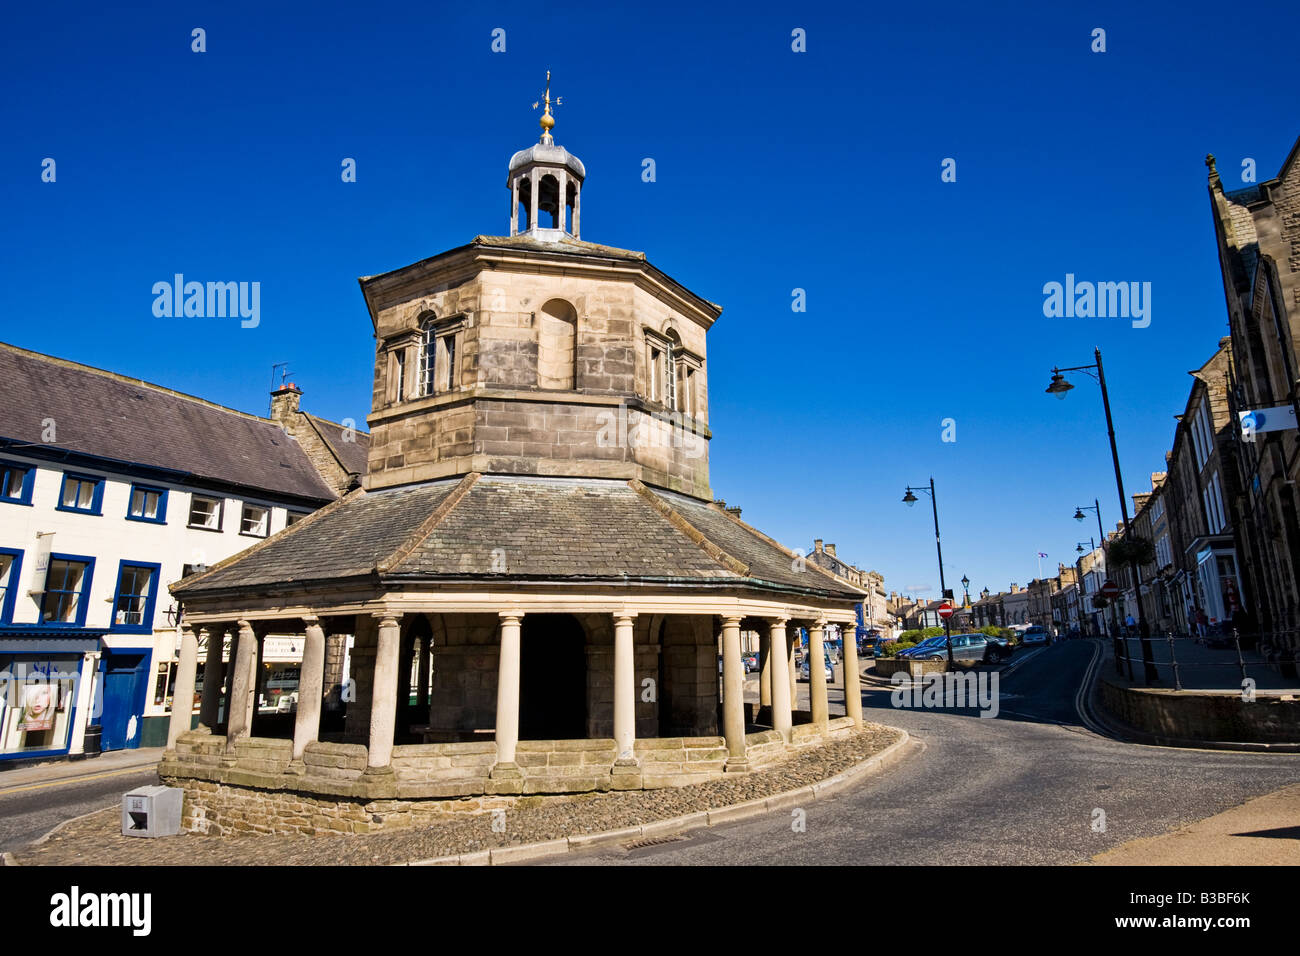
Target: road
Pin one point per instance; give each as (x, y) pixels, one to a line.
(28, 811)
(1024, 787)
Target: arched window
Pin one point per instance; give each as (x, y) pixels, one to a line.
(439, 366)
(557, 328)
(672, 390)
(548, 200)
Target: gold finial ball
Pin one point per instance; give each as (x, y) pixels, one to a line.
(548, 122)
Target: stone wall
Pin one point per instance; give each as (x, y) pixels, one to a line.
(258, 789)
(506, 417)
(1191, 715)
(466, 651)
(680, 761)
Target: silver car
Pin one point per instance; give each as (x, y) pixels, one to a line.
(966, 647)
(830, 669)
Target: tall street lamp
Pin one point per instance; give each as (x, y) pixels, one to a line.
(1060, 388)
(910, 499)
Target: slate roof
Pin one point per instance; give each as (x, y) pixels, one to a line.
(552, 529)
(110, 416)
(351, 454)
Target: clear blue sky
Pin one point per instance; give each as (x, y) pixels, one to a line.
(776, 170)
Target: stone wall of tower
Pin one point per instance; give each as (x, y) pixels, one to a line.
(499, 420)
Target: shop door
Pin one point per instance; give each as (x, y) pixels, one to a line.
(124, 681)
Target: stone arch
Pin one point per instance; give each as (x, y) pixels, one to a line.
(548, 200)
(525, 209)
(557, 334)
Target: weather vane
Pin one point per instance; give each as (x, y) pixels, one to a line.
(547, 121)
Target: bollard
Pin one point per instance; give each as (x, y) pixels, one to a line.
(1241, 663)
(1173, 659)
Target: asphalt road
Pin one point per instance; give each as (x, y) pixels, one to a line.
(1022, 787)
(29, 811)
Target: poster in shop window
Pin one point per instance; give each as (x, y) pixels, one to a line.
(38, 707)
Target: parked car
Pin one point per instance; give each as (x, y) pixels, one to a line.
(1035, 634)
(965, 647)
(830, 669)
(751, 661)
(924, 647)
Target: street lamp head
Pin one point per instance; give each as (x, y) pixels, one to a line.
(1059, 386)
(1078, 514)
(965, 581)
(1079, 549)
(909, 499)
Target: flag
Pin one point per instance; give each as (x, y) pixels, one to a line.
(1041, 554)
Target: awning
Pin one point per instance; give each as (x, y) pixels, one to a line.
(18, 640)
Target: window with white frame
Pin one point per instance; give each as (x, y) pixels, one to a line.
(439, 365)
(147, 504)
(255, 520)
(205, 513)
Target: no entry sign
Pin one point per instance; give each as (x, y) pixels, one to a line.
(945, 610)
(1110, 589)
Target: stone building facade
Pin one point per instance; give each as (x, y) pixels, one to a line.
(534, 568)
(1257, 230)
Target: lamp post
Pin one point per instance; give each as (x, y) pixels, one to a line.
(1060, 388)
(910, 499)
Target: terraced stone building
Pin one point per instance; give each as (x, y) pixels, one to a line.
(537, 577)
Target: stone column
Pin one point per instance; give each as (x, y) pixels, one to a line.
(764, 670)
(534, 207)
(213, 672)
(383, 695)
(624, 689)
(577, 209)
(817, 700)
(852, 677)
(514, 207)
(561, 212)
(239, 703)
(793, 639)
(311, 680)
(507, 730)
(780, 658)
(183, 688)
(733, 696)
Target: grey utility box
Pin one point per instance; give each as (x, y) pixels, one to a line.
(152, 812)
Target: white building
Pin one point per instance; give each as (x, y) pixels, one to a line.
(110, 490)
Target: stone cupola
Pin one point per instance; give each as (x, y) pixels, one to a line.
(545, 183)
(539, 353)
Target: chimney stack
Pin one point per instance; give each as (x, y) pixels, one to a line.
(284, 403)
(830, 549)
(817, 544)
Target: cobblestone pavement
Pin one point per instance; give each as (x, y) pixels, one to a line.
(96, 840)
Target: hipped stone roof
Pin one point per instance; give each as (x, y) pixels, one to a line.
(512, 528)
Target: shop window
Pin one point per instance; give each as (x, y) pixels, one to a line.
(205, 513)
(16, 483)
(255, 521)
(133, 604)
(83, 494)
(147, 504)
(11, 563)
(162, 691)
(36, 713)
(67, 585)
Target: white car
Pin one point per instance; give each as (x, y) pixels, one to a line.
(1036, 634)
